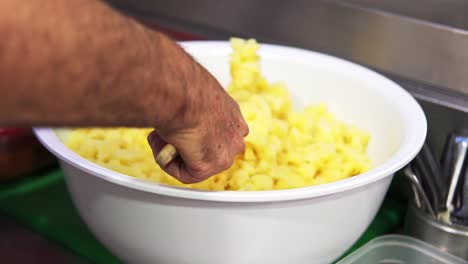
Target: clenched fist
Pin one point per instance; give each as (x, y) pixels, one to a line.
(208, 134)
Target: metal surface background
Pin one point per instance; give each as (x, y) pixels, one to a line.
(425, 41)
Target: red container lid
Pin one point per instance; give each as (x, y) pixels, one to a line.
(13, 131)
(175, 34)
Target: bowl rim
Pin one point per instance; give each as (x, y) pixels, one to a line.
(415, 131)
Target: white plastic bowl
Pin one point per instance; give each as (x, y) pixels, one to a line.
(143, 222)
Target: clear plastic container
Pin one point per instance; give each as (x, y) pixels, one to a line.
(397, 249)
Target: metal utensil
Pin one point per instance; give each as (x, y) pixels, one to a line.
(446, 160)
(460, 215)
(420, 193)
(417, 199)
(461, 147)
(428, 171)
(435, 170)
(458, 196)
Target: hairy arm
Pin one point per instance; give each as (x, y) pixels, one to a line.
(81, 63)
(78, 62)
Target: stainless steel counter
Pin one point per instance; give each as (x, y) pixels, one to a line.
(450, 13)
(425, 41)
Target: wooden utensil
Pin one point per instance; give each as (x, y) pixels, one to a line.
(166, 155)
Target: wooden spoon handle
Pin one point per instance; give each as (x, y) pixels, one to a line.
(166, 155)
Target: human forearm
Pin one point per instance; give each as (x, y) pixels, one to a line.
(78, 62)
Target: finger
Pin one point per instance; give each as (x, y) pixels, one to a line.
(240, 125)
(156, 142)
(243, 128)
(163, 153)
(178, 169)
(240, 128)
(238, 146)
(236, 143)
(185, 173)
(172, 168)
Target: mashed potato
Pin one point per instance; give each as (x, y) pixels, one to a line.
(285, 148)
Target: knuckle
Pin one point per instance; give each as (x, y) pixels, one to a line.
(202, 172)
(192, 177)
(186, 180)
(226, 162)
(240, 146)
(234, 103)
(237, 145)
(199, 170)
(245, 129)
(241, 126)
(152, 137)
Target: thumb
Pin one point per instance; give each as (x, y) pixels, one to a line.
(176, 167)
(156, 142)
